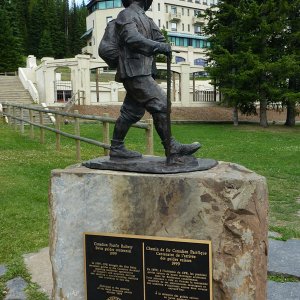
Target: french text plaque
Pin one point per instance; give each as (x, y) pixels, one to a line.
(127, 267)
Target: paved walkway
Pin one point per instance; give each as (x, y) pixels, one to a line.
(284, 259)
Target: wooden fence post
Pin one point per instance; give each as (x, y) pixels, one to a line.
(106, 138)
(77, 132)
(22, 122)
(57, 127)
(42, 132)
(149, 137)
(14, 117)
(9, 112)
(31, 126)
(3, 115)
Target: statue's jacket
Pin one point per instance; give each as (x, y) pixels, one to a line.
(139, 37)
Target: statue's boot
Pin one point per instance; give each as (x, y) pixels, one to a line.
(117, 148)
(176, 148)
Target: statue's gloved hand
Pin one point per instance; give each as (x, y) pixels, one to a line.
(163, 48)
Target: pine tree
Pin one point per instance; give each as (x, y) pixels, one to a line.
(21, 15)
(226, 36)
(74, 31)
(291, 60)
(45, 46)
(246, 38)
(10, 45)
(36, 26)
(60, 38)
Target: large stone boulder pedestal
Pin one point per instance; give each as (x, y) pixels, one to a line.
(227, 205)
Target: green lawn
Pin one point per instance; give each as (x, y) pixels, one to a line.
(25, 167)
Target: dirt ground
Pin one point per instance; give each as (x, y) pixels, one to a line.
(197, 114)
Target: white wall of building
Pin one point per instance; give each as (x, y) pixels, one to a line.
(43, 78)
(165, 13)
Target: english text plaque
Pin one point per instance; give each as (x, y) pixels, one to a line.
(126, 267)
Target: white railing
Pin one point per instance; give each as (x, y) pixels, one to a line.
(50, 115)
(28, 85)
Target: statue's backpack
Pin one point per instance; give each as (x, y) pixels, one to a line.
(108, 49)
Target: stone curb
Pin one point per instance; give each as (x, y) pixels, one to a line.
(39, 266)
(3, 270)
(283, 291)
(16, 289)
(279, 260)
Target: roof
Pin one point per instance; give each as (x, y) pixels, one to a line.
(87, 33)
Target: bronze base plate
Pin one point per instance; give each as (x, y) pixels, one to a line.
(152, 164)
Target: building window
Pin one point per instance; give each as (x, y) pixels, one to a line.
(189, 27)
(197, 29)
(106, 4)
(173, 10)
(159, 23)
(182, 11)
(158, 6)
(167, 25)
(200, 62)
(182, 27)
(179, 59)
(109, 4)
(197, 12)
(186, 42)
(173, 26)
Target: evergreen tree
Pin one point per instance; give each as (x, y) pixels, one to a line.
(290, 64)
(45, 47)
(229, 56)
(76, 30)
(161, 58)
(36, 26)
(21, 16)
(60, 39)
(52, 28)
(246, 38)
(10, 45)
(65, 12)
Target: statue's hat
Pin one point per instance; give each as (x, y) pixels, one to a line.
(148, 3)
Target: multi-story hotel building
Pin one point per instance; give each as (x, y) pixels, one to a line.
(181, 18)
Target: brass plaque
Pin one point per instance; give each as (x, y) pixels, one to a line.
(131, 267)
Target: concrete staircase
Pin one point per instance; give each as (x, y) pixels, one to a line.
(12, 91)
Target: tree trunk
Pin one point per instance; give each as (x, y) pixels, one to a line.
(291, 105)
(235, 115)
(263, 113)
(290, 113)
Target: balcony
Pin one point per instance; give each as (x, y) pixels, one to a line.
(175, 17)
(87, 50)
(198, 20)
